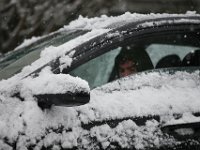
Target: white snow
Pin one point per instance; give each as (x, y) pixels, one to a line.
(66, 60)
(146, 94)
(24, 123)
(152, 23)
(51, 53)
(186, 118)
(27, 42)
(48, 54)
(49, 83)
(106, 21)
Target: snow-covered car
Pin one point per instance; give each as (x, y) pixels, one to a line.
(156, 106)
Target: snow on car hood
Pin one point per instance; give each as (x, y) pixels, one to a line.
(144, 94)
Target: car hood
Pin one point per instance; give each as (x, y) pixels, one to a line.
(24, 124)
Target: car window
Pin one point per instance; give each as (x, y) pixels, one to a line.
(15, 67)
(97, 71)
(154, 52)
(51, 40)
(157, 52)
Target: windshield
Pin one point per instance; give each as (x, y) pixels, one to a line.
(14, 62)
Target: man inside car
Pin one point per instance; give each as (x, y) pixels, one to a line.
(127, 66)
(132, 59)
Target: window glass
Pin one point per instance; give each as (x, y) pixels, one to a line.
(158, 51)
(15, 67)
(97, 71)
(14, 62)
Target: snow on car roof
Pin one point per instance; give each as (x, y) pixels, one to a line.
(27, 42)
(116, 21)
(25, 123)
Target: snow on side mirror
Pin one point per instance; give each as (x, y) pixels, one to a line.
(56, 89)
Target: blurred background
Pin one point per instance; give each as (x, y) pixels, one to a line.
(22, 19)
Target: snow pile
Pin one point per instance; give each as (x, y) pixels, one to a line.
(25, 124)
(145, 94)
(49, 83)
(154, 79)
(66, 60)
(126, 135)
(187, 117)
(45, 83)
(114, 21)
(27, 42)
(129, 135)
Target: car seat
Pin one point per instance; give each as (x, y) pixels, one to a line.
(169, 61)
(192, 58)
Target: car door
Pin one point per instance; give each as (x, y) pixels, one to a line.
(150, 109)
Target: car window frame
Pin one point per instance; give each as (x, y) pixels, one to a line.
(34, 46)
(129, 30)
(89, 52)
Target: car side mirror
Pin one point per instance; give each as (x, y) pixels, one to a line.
(56, 89)
(65, 99)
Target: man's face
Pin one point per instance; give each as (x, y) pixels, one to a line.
(126, 68)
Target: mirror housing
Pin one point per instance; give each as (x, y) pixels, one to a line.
(56, 89)
(66, 99)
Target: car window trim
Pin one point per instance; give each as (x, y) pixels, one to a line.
(93, 52)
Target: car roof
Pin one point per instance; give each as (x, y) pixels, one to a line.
(117, 21)
(104, 21)
(109, 22)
